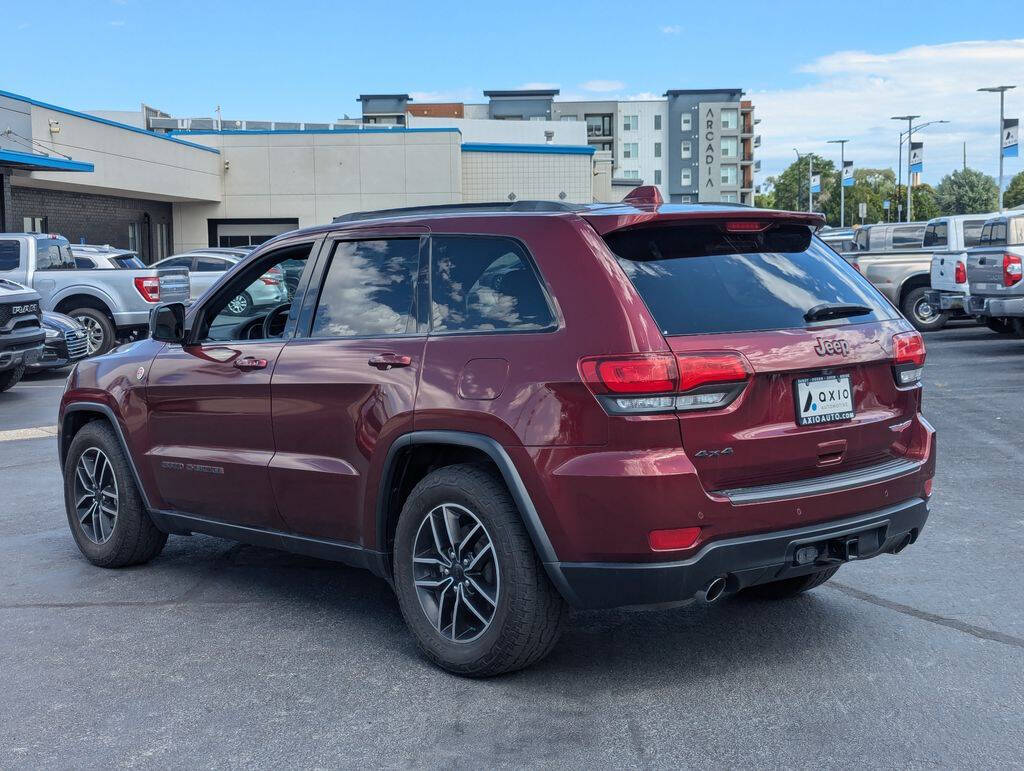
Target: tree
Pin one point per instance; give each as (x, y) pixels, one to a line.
(791, 185)
(925, 204)
(1014, 194)
(870, 187)
(967, 192)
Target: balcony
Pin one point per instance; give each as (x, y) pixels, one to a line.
(757, 140)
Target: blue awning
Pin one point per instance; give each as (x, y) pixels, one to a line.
(34, 162)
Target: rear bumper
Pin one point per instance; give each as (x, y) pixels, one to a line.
(744, 561)
(945, 301)
(996, 307)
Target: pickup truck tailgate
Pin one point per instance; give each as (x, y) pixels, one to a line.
(944, 270)
(174, 285)
(985, 271)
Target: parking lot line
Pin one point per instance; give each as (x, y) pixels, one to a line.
(40, 432)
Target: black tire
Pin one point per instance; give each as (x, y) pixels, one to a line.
(920, 313)
(242, 305)
(790, 587)
(528, 615)
(10, 377)
(96, 322)
(134, 538)
(999, 326)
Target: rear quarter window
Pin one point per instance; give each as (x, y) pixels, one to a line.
(907, 237)
(698, 280)
(935, 234)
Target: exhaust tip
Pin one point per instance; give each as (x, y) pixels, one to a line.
(714, 590)
(904, 542)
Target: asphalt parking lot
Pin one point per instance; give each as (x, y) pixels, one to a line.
(218, 654)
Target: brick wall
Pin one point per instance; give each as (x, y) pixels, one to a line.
(99, 219)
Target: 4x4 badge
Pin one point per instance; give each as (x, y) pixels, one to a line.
(832, 347)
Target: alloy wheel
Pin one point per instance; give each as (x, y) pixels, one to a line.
(93, 334)
(456, 573)
(96, 500)
(238, 305)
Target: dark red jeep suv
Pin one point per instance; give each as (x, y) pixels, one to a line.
(508, 409)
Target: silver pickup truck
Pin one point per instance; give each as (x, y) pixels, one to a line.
(995, 273)
(949, 238)
(112, 304)
(893, 258)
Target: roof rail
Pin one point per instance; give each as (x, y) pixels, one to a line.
(462, 208)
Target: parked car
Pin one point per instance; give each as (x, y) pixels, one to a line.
(207, 266)
(994, 274)
(840, 239)
(21, 335)
(66, 342)
(507, 409)
(893, 258)
(88, 256)
(111, 304)
(948, 238)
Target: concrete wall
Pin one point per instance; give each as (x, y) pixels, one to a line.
(508, 131)
(315, 176)
(494, 176)
(128, 162)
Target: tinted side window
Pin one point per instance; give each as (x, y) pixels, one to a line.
(485, 284)
(10, 255)
(84, 263)
(369, 289)
(211, 264)
(935, 234)
(177, 262)
(907, 237)
(860, 240)
(972, 232)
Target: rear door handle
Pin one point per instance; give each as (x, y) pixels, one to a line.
(248, 363)
(385, 361)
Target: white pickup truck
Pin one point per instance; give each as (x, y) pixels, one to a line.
(995, 273)
(111, 304)
(949, 238)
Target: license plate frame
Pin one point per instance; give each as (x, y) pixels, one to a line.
(810, 410)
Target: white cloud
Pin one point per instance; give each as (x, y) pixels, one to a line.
(671, 29)
(853, 94)
(603, 85)
(117, 23)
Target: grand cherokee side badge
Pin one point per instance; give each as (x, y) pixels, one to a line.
(832, 347)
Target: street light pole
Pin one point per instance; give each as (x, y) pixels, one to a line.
(910, 135)
(1001, 90)
(842, 187)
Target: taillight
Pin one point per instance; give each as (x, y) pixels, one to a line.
(149, 288)
(856, 265)
(960, 273)
(908, 355)
(1011, 269)
(663, 382)
(272, 277)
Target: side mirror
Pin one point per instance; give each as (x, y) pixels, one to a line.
(167, 323)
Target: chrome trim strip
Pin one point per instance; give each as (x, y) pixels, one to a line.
(832, 483)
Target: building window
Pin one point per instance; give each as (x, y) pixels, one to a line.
(570, 117)
(161, 241)
(686, 199)
(134, 236)
(686, 122)
(599, 125)
(657, 176)
(630, 150)
(729, 174)
(630, 122)
(630, 174)
(605, 146)
(657, 123)
(729, 198)
(730, 118)
(686, 177)
(657, 149)
(730, 147)
(685, 150)
(33, 224)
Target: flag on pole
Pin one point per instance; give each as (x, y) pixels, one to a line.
(816, 183)
(917, 156)
(847, 173)
(1011, 127)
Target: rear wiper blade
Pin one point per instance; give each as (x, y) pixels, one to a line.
(835, 311)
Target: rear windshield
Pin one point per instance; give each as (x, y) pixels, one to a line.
(54, 254)
(972, 232)
(935, 234)
(130, 261)
(699, 280)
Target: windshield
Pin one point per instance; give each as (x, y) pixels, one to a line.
(697, 279)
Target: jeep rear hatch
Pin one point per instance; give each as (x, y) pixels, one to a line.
(784, 354)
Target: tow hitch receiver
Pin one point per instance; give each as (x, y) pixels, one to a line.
(846, 548)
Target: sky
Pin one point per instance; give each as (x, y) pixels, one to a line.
(814, 70)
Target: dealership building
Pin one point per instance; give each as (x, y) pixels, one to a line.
(158, 184)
